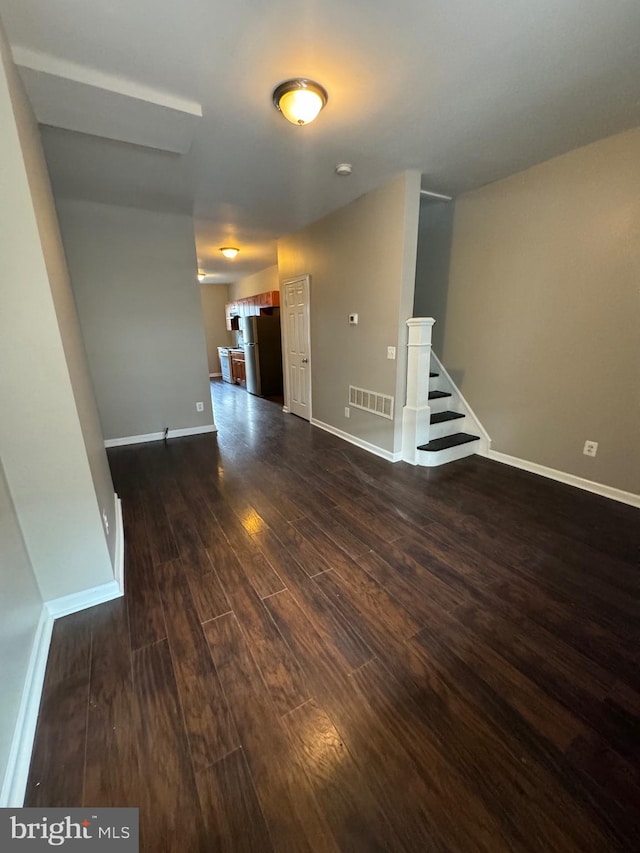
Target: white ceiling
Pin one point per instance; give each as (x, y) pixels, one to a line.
(466, 91)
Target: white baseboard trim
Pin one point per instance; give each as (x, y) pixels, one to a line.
(359, 442)
(15, 779)
(118, 568)
(158, 436)
(570, 479)
(17, 771)
(67, 604)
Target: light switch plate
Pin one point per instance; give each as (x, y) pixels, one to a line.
(391, 352)
(353, 319)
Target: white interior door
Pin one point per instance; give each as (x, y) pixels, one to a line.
(298, 346)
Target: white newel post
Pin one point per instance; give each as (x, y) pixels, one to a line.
(416, 414)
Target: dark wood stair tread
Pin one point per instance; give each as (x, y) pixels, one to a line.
(449, 441)
(437, 395)
(442, 417)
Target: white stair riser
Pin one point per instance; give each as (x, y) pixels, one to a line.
(443, 404)
(446, 428)
(440, 457)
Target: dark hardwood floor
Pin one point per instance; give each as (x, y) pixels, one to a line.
(320, 651)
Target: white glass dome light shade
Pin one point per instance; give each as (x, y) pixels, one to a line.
(300, 106)
(299, 100)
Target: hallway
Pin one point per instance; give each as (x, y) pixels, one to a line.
(321, 651)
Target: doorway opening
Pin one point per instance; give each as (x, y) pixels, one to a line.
(244, 342)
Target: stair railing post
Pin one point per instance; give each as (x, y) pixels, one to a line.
(416, 415)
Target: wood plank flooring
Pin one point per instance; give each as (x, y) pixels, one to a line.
(321, 651)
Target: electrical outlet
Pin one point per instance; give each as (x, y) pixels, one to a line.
(105, 521)
(200, 407)
(391, 353)
(347, 412)
(590, 448)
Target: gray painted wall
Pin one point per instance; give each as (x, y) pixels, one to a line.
(435, 233)
(19, 614)
(213, 298)
(361, 259)
(54, 478)
(134, 276)
(67, 318)
(46, 426)
(260, 282)
(542, 322)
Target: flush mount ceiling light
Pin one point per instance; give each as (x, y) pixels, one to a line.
(299, 100)
(229, 251)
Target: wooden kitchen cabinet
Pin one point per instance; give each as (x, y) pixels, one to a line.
(251, 306)
(237, 367)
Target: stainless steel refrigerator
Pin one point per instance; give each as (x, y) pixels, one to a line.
(263, 354)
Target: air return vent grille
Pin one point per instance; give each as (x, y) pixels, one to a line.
(371, 401)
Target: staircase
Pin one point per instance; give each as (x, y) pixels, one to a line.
(446, 439)
(438, 424)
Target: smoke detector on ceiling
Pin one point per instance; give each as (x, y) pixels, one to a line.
(344, 169)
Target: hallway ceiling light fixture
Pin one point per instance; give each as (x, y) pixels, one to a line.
(229, 251)
(344, 169)
(299, 100)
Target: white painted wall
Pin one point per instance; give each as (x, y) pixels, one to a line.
(361, 259)
(134, 277)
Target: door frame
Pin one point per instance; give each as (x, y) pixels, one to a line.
(285, 339)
